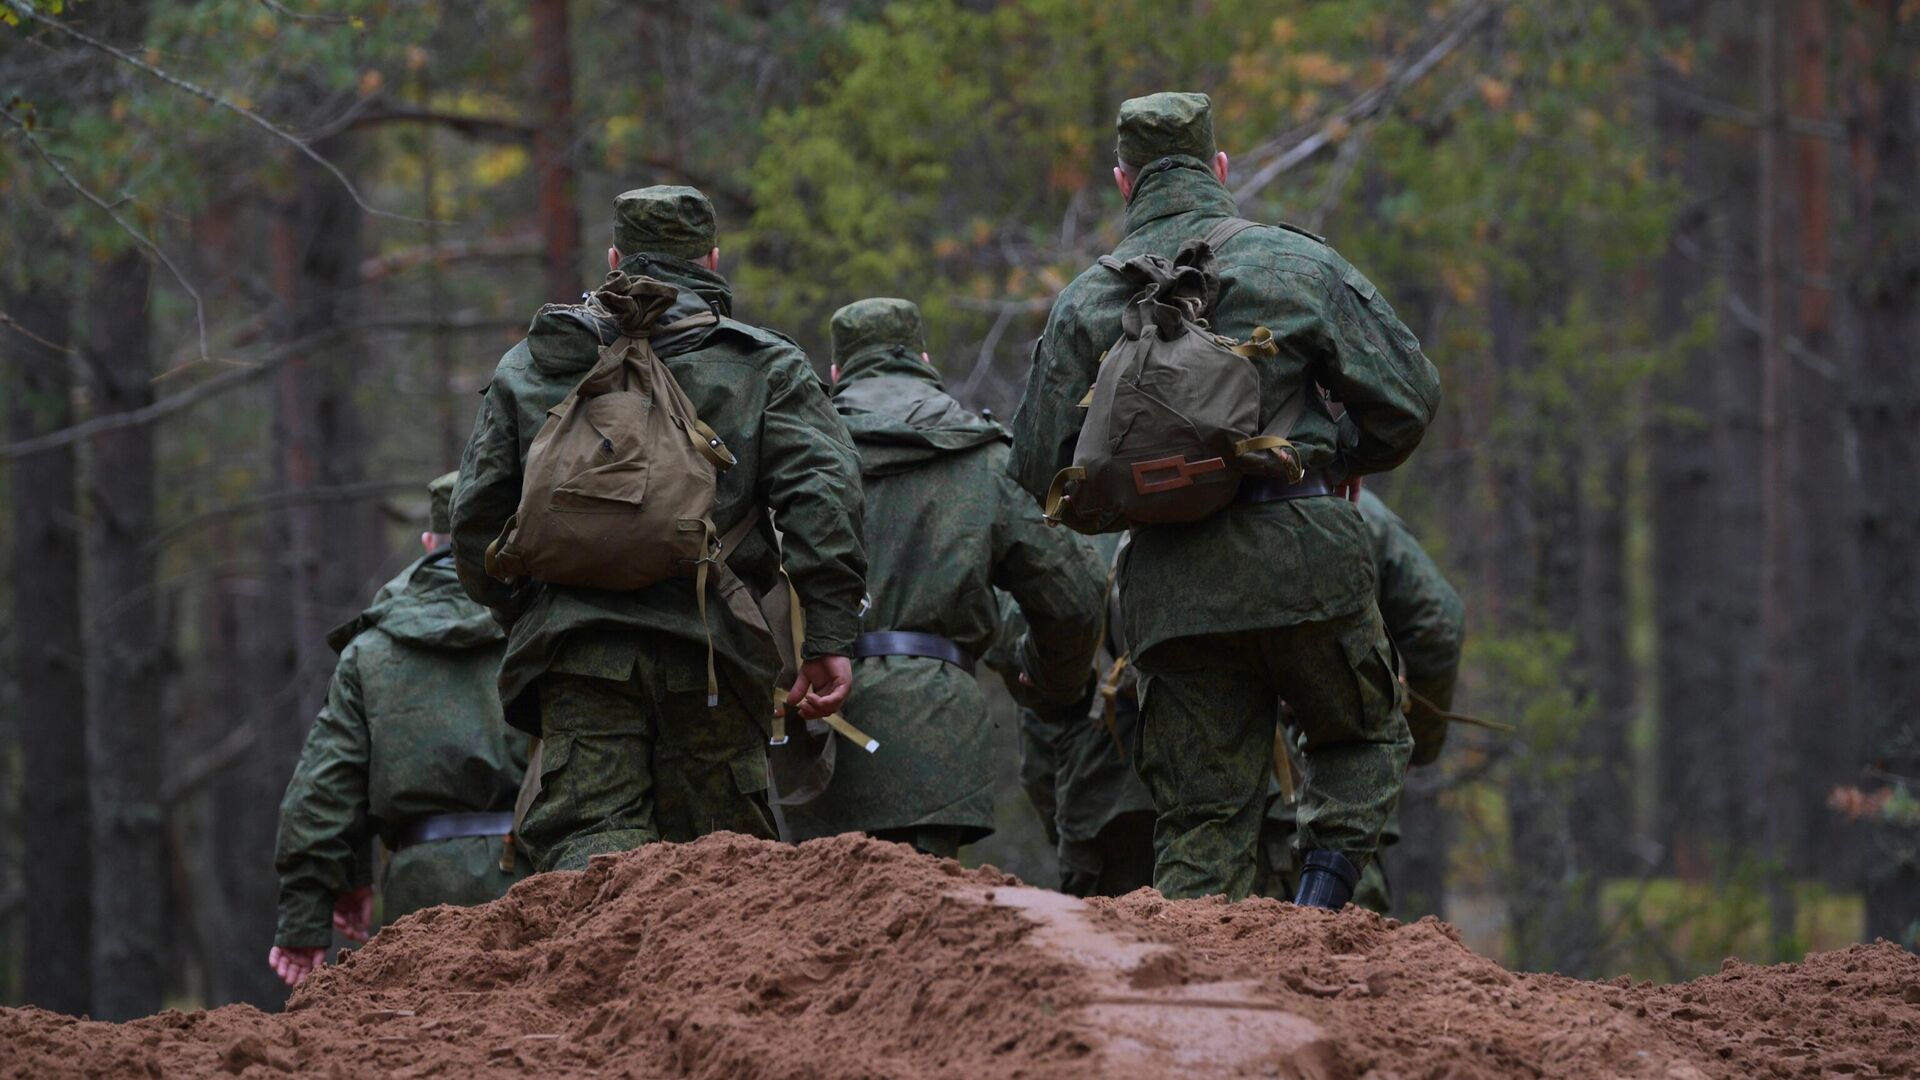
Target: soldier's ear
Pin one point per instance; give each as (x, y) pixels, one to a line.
(1220, 166)
(712, 261)
(833, 374)
(613, 258)
(1123, 182)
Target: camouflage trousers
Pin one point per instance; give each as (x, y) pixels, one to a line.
(940, 841)
(1038, 764)
(627, 762)
(1118, 860)
(462, 871)
(1205, 746)
(1280, 869)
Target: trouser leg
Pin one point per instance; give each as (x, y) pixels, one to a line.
(596, 771)
(711, 762)
(940, 841)
(1205, 752)
(1338, 679)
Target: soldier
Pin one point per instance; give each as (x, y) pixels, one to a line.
(1273, 595)
(947, 526)
(410, 748)
(1427, 623)
(616, 683)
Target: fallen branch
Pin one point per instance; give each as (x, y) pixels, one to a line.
(521, 246)
(203, 767)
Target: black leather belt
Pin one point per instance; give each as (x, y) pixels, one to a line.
(1266, 489)
(908, 643)
(453, 826)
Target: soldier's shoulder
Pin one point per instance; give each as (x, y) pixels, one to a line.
(754, 338)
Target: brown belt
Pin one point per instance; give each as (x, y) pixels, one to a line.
(1266, 489)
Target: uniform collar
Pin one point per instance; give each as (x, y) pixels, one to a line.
(1178, 185)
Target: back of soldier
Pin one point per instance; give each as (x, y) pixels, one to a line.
(1272, 596)
(616, 683)
(945, 525)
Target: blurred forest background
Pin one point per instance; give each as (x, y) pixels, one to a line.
(259, 256)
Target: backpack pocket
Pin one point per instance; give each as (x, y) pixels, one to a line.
(612, 477)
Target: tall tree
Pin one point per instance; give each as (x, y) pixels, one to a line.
(1884, 287)
(553, 147)
(48, 674)
(124, 722)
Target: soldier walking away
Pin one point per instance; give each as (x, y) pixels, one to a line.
(409, 748)
(946, 525)
(1273, 595)
(638, 743)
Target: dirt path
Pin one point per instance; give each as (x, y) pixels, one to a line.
(852, 958)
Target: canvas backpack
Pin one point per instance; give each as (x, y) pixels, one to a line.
(1173, 417)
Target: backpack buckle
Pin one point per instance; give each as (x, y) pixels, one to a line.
(1183, 473)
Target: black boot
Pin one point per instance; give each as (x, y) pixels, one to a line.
(1327, 881)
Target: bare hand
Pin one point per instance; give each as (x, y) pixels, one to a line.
(1350, 490)
(353, 913)
(822, 686)
(294, 965)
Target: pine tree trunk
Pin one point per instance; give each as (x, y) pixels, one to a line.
(1884, 289)
(125, 654)
(48, 673)
(553, 141)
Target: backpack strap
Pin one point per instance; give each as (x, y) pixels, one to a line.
(1227, 230)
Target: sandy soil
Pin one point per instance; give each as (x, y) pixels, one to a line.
(852, 958)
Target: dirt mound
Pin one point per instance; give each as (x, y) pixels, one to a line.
(853, 958)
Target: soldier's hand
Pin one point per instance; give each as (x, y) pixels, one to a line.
(294, 965)
(1350, 490)
(822, 686)
(353, 913)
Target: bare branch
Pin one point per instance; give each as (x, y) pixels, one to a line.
(1373, 101)
(167, 406)
(112, 211)
(299, 16)
(471, 125)
(205, 766)
(519, 246)
(13, 324)
(281, 500)
(1734, 114)
(27, 11)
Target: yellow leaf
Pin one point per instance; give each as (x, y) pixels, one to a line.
(1283, 31)
(1495, 93)
(356, 22)
(371, 81)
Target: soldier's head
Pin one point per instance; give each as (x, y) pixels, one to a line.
(439, 512)
(1153, 129)
(664, 220)
(877, 327)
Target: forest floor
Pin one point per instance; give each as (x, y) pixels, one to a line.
(848, 957)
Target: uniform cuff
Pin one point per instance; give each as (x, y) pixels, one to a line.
(829, 633)
(305, 921)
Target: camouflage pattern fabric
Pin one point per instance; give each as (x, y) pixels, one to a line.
(411, 727)
(946, 527)
(1191, 609)
(1205, 747)
(756, 389)
(1164, 125)
(626, 762)
(665, 220)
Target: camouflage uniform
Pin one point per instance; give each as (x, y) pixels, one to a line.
(615, 682)
(1261, 600)
(1427, 623)
(411, 728)
(947, 526)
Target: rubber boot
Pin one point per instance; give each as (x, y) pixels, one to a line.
(1326, 880)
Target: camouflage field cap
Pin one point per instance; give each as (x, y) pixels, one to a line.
(867, 324)
(1160, 125)
(440, 503)
(664, 220)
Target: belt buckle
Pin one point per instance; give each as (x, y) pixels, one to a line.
(1183, 473)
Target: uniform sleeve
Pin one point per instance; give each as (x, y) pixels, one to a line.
(486, 495)
(1056, 577)
(810, 477)
(1373, 364)
(1427, 622)
(323, 817)
(1047, 425)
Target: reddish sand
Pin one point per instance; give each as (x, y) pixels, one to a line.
(852, 958)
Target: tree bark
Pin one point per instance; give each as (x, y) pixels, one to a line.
(48, 673)
(124, 719)
(1884, 290)
(553, 143)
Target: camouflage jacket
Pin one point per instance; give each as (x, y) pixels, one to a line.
(1424, 617)
(411, 727)
(1334, 331)
(947, 526)
(756, 389)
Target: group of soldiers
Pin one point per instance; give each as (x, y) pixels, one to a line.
(1225, 706)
